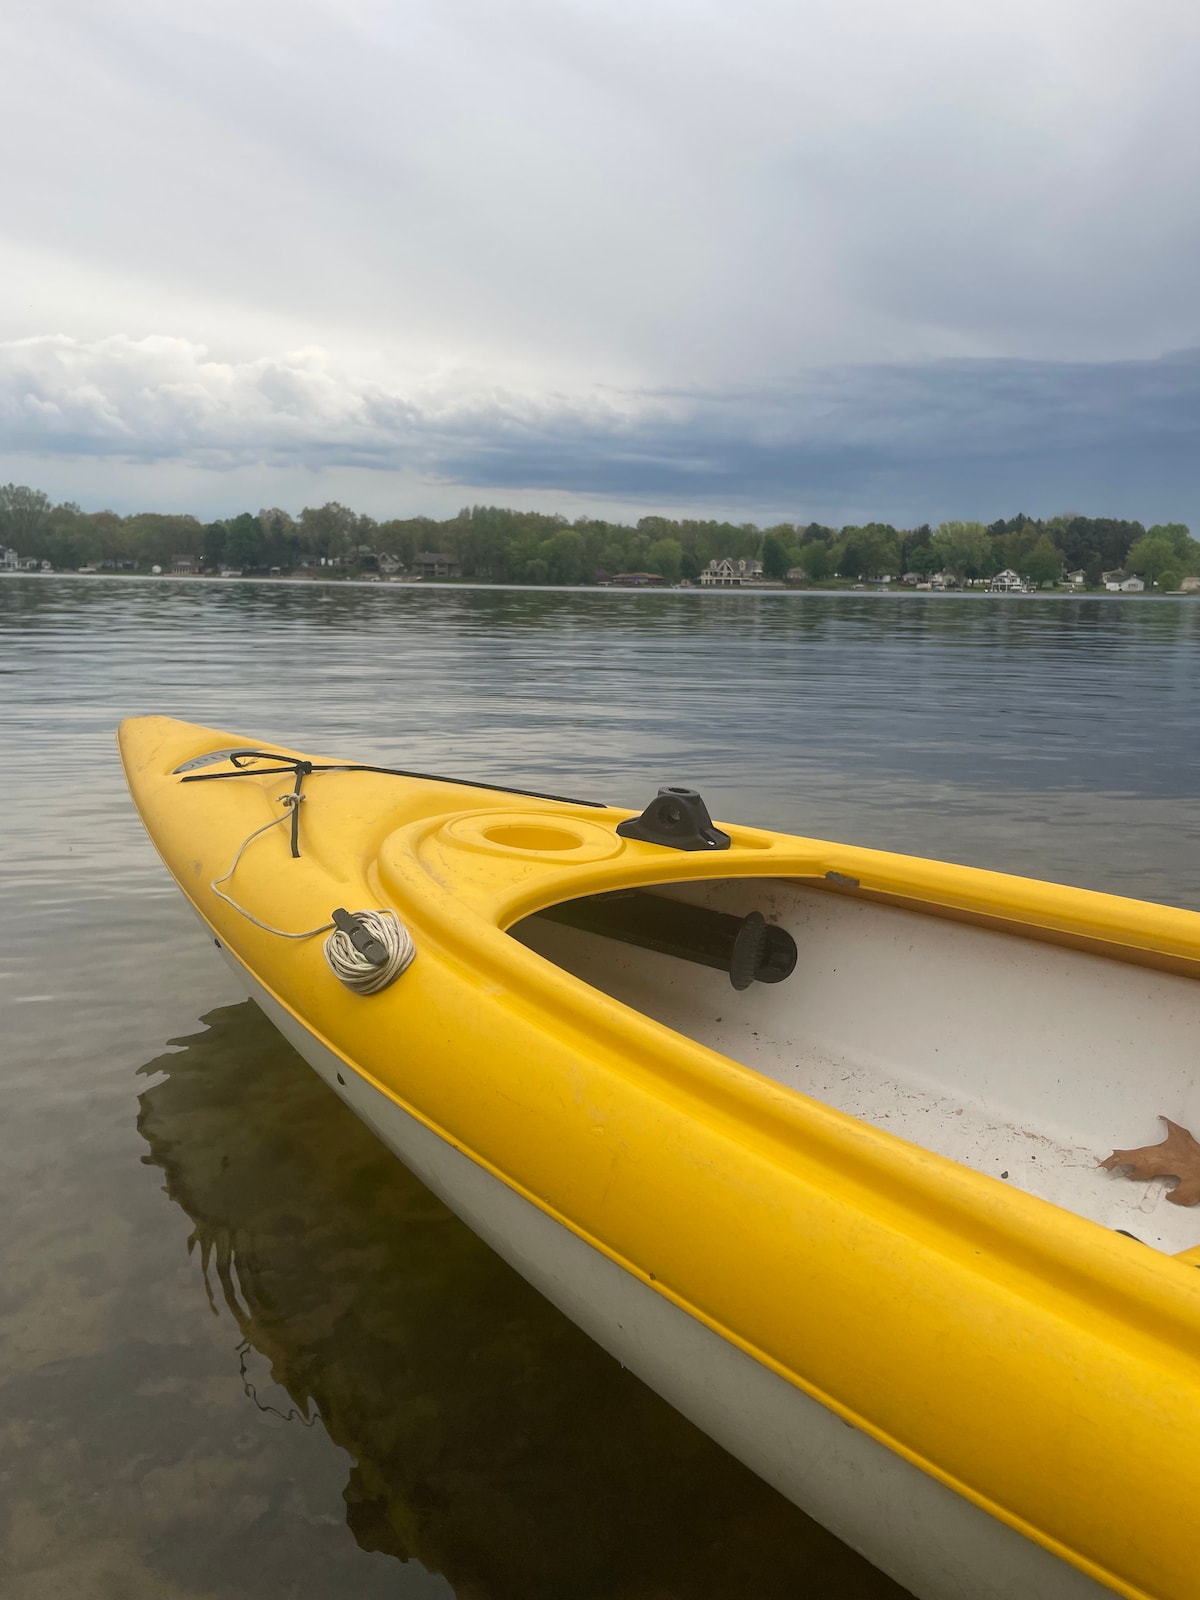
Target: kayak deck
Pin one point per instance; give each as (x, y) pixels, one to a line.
(1024, 1061)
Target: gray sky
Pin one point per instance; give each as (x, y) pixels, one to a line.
(838, 260)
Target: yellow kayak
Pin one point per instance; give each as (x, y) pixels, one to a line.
(857, 1159)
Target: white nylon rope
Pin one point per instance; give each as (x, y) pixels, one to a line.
(353, 968)
(288, 802)
(347, 964)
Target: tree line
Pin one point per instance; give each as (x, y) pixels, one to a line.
(494, 544)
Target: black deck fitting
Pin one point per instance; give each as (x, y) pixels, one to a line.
(677, 818)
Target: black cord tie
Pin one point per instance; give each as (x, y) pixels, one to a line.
(303, 768)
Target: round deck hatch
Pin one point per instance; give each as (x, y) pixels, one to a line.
(534, 836)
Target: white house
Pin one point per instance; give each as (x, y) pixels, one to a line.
(1008, 582)
(730, 574)
(1125, 585)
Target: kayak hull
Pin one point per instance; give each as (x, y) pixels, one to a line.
(926, 1537)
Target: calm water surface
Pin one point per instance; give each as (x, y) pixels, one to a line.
(242, 1352)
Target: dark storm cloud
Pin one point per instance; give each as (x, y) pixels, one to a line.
(909, 439)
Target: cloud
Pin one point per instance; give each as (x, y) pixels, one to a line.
(645, 192)
(902, 441)
(840, 257)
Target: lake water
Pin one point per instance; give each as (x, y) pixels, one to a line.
(245, 1356)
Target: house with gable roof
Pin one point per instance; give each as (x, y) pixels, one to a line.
(730, 574)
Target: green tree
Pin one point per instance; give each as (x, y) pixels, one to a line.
(776, 556)
(214, 544)
(563, 554)
(816, 560)
(330, 530)
(1093, 542)
(156, 537)
(914, 548)
(400, 539)
(280, 538)
(1169, 579)
(1186, 548)
(1151, 554)
(1043, 564)
(24, 513)
(243, 541)
(1178, 533)
(965, 549)
(880, 550)
(665, 556)
(101, 530)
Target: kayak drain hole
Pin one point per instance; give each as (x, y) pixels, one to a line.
(529, 836)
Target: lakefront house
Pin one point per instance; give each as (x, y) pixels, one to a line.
(437, 564)
(1008, 582)
(730, 574)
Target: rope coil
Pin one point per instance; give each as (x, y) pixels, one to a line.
(351, 967)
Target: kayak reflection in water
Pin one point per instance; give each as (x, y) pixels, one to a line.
(493, 1441)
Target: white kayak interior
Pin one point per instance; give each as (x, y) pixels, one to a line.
(1027, 1061)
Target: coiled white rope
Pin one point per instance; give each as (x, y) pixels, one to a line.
(353, 968)
(347, 963)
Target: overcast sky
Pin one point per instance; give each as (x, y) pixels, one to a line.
(819, 258)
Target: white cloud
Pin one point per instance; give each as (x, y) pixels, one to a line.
(167, 398)
(623, 192)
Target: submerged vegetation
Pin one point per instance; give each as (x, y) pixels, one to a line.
(492, 544)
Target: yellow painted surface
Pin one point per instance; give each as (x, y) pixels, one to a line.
(1040, 1365)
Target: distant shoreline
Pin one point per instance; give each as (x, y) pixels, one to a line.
(867, 591)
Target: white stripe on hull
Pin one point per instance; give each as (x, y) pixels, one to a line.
(926, 1537)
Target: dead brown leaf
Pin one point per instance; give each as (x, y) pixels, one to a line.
(1178, 1156)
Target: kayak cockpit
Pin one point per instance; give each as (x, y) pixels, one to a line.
(1022, 1059)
